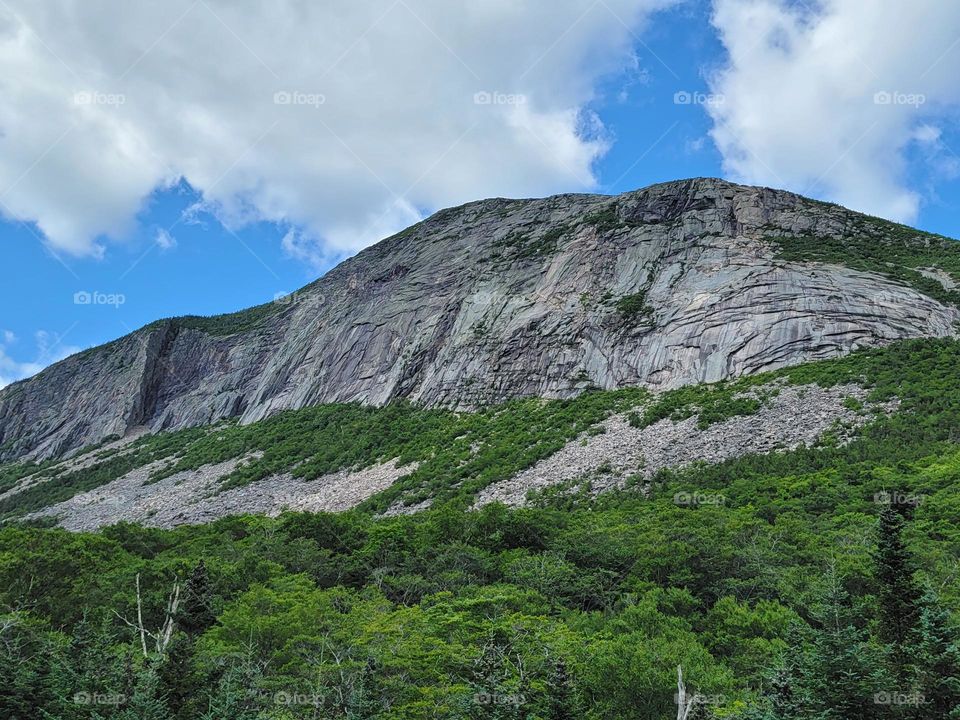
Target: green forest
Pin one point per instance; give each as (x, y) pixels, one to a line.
(816, 584)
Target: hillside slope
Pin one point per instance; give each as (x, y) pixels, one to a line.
(684, 282)
(767, 560)
(870, 408)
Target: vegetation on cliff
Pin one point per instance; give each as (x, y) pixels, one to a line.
(819, 582)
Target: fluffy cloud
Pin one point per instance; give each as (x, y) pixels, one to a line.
(49, 349)
(164, 240)
(828, 99)
(346, 120)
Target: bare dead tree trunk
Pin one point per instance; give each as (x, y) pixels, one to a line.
(684, 706)
(143, 631)
(161, 638)
(173, 604)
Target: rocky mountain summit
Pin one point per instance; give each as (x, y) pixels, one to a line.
(683, 282)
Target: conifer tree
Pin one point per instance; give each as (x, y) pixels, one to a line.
(844, 672)
(560, 700)
(24, 681)
(196, 609)
(831, 671)
(897, 592)
(237, 694)
(179, 678)
(938, 658)
(147, 701)
(787, 695)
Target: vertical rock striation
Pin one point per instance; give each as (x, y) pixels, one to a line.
(673, 284)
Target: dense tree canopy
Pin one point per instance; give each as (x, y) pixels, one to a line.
(823, 586)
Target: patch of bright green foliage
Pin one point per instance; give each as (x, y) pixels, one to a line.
(426, 612)
(711, 403)
(633, 308)
(64, 484)
(10, 475)
(460, 453)
(526, 245)
(923, 374)
(227, 323)
(918, 372)
(606, 219)
(895, 251)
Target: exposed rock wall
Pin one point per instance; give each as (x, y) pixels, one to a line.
(494, 300)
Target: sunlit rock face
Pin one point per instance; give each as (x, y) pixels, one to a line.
(673, 284)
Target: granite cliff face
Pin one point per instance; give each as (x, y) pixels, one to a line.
(674, 284)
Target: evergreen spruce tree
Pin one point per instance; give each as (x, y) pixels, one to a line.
(93, 664)
(147, 701)
(831, 672)
(843, 672)
(237, 694)
(176, 674)
(897, 592)
(179, 679)
(560, 700)
(196, 610)
(24, 678)
(495, 694)
(784, 697)
(938, 660)
(783, 692)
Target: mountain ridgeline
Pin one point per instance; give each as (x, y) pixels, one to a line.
(688, 452)
(679, 283)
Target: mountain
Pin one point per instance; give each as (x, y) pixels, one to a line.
(690, 322)
(683, 282)
(690, 451)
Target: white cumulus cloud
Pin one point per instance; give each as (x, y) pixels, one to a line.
(49, 349)
(345, 120)
(826, 97)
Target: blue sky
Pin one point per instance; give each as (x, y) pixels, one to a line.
(137, 204)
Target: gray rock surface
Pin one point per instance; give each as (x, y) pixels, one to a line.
(494, 300)
(791, 416)
(795, 416)
(194, 497)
